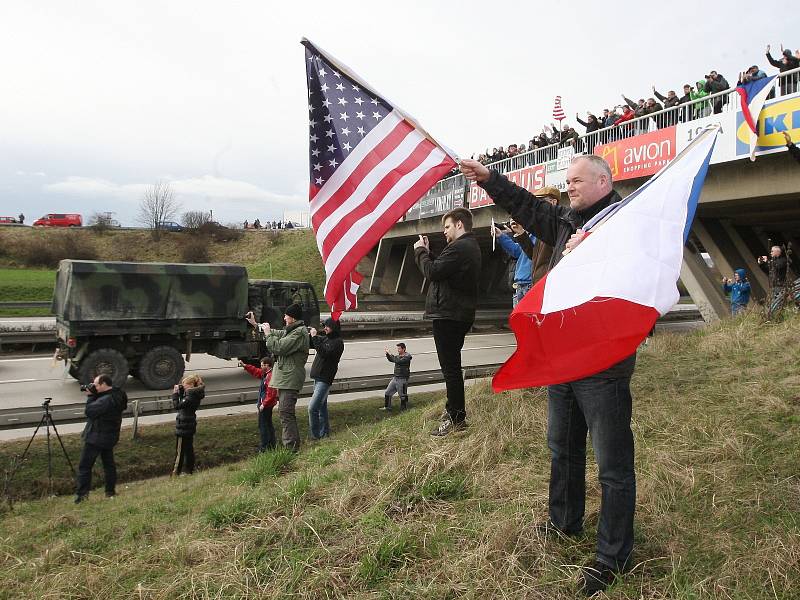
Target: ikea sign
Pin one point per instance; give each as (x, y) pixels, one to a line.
(775, 118)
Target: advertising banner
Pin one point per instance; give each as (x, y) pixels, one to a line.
(725, 147)
(531, 178)
(776, 117)
(441, 198)
(641, 155)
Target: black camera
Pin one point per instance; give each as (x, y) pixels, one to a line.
(88, 387)
(504, 225)
(181, 389)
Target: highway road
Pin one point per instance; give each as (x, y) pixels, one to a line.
(26, 381)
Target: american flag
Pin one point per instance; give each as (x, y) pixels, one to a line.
(558, 112)
(369, 162)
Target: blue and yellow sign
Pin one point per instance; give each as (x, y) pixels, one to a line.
(775, 118)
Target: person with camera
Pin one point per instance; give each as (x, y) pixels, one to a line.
(399, 382)
(522, 268)
(186, 398)
(601, 403)
(329, 348)
(739, 289)
(290, 347)
(450, 304)
(775, 265)
(104, 407)
(267, 399)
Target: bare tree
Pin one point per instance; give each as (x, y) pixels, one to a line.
(158, 205)
(195, 219)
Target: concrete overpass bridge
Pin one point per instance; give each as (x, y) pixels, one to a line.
(744, 208)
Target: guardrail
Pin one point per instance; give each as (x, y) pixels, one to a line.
(15, 418)
(29, 304)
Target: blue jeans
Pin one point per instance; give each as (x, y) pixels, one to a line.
(520, 291)
(318, 410)
(603, 408)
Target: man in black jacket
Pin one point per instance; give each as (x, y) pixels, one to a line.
(399, 382)
(104, 407)
(329, 347)
(451, 301)
(600, 404)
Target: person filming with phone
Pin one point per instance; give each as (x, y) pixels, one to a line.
(186, 398)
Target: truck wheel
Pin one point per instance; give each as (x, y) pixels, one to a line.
(161, 368)
(105, 360)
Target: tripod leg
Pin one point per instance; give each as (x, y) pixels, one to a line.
(63, 449)
(19, 462)
(49, 460)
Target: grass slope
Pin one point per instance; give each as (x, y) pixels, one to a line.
(382, 510)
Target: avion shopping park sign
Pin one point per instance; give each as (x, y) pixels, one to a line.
(531, 178)
(639, 156)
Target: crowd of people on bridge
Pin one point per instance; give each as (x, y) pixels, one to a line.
(620, 120)
(256, 224)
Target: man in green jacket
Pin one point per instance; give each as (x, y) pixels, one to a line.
(290, 347)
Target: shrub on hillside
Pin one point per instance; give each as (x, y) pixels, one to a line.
(195, 250)
(220, 233)
(55, 247)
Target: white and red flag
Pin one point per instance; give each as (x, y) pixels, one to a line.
(754, 95)
(600, 301)
(558, 111)
(369, 163)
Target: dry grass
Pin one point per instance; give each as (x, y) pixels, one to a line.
(385, 511)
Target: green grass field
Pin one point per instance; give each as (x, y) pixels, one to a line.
(382, 510)
(18, 285)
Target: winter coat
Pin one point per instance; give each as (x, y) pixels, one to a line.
(539, 253)
(186, 404)
(453, 276)
(668, 102)
(648, 110)
(776, 268)
(329, 351)
(290, 347)
(792, 63)
(739, 290)
(267, 396)
(104, 418)
(794, 151)
(626, 116)
(554, 225)
(720, 84)
(590, 125)
(402, 364)
(522, 272)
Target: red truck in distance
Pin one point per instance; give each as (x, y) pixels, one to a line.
(59, 220)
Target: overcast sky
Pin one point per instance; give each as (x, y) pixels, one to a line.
(101, 99)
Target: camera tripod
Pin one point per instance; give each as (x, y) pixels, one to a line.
(47, 421)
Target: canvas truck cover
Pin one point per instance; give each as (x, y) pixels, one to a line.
(88, 290)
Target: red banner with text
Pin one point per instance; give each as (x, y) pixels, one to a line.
(531, 178)
(639, 156)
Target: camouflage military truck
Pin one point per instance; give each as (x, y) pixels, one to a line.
(140, 319)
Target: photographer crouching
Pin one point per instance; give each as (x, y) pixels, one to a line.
(104, 407)
(186, 398)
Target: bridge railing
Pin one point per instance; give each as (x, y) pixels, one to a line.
(721, 102)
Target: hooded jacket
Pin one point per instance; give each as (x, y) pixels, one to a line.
(522, 270)
(104, 417)
(453, 291)
(554, 225)
(187, 404)
(267, 396)
(329, 351)
(290, 347)
(739, 290)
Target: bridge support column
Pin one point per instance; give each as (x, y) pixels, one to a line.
(748, 261)
(381, 261)
(409, 280)
(703, 285)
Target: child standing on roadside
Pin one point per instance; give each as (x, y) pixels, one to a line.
(267, 399)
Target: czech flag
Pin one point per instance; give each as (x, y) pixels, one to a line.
(754, 95)
(597, 305)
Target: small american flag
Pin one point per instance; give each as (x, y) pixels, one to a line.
(558, 112)
(369, 163)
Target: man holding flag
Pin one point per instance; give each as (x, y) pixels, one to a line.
(601, 403)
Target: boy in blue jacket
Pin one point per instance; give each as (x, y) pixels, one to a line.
(739, 289)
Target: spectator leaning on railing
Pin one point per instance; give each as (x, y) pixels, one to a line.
(786, 63)
(716, 83)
